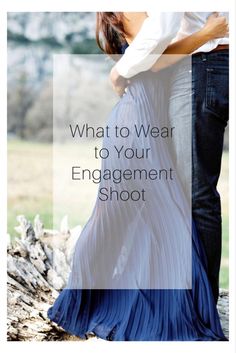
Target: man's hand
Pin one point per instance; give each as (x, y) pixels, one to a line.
(119, 83)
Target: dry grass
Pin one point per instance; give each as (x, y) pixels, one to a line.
(29, 182)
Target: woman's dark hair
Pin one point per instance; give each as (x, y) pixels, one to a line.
(110, 32)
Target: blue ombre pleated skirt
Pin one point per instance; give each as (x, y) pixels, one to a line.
(139, 314)
(142, 315)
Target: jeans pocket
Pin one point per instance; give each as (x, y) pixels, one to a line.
(217, 93)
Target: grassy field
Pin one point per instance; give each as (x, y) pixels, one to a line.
(224, 192)
(29, 182)
(30, 191)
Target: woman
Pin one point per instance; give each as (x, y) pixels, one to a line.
(109, 292)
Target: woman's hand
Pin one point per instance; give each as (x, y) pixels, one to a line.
(216, 26)
(119, 83)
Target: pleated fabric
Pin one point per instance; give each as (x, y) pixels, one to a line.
(141, 244)
(142, 313)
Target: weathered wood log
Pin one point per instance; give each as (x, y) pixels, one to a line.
(38, 266)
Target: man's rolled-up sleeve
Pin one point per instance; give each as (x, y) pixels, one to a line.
(156, 33)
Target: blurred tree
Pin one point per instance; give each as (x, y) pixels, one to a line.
(88, 46)
(39, 118)
(20, 98)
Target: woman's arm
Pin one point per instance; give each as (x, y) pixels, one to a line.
(215, 27)
(145, 34)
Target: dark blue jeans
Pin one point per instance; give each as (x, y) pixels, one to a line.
(199, 165)
(210, 109)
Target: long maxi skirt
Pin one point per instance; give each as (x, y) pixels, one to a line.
(140, 306)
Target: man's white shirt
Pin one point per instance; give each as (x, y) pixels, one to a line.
(160, 29)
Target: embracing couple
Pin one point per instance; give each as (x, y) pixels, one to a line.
(153, 298)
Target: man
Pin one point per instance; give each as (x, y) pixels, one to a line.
(209, 114)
